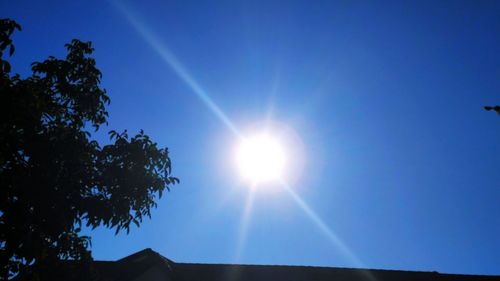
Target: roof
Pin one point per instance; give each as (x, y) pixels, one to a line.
(133, 266)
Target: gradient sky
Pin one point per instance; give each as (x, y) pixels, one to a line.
(400, 162)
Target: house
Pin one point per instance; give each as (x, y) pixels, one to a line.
(148, 265)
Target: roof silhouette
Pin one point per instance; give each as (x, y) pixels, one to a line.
(136, 265)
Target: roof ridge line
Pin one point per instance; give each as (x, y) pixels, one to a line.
(330, 267)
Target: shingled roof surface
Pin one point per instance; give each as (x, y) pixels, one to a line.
(132, 266)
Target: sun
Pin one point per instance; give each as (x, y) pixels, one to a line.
(261, 158)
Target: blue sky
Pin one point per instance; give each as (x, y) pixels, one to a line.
(399, 160)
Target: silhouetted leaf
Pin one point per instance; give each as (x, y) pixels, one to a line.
(54, 177)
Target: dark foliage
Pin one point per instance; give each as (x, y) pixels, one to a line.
(54, 178)
(494, 108)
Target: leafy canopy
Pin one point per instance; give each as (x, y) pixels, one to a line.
(494, 108)
(54, 178)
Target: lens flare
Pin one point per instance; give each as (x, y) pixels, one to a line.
(260, 159)
(174, 64)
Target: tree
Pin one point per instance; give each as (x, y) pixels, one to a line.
(54, 178)
(495, 108)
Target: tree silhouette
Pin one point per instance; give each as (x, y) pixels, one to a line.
(54, 178)
(495, 108)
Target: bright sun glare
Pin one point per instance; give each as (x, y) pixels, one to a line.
(261, 159)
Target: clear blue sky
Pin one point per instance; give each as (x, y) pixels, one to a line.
(401, 163)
